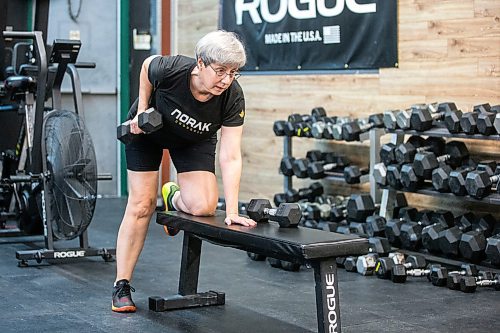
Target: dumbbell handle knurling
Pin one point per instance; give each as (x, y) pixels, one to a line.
(487, 283)
(418, 272)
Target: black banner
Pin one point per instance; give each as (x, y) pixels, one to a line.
(283, 35)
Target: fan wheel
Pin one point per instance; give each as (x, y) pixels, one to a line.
(71, 168)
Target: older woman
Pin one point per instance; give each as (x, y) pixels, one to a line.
(196, 98)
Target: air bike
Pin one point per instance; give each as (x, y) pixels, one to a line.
(49, 178)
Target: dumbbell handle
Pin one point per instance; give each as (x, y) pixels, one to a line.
(488, 283)
(418, 272)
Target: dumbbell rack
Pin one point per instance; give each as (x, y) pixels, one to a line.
(373, 135)
(388, 194)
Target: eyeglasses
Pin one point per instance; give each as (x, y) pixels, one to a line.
(222, 73)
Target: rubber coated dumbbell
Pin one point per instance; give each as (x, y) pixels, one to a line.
(287, 215)
(148, 121)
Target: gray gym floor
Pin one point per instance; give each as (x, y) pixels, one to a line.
(76, 296)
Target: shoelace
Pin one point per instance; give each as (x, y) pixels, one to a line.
(125, 290)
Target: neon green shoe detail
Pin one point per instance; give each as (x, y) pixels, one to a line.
(167, 191)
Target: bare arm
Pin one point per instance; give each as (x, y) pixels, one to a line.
(145, 91)
(231, 165)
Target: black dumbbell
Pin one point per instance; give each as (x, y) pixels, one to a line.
(424, 163)
(449, 239)
(411, 232)
(405, 152)
(457, 177)
(317, 170)
(441, 176)
(298, 167)
(399, 274)
(486, 123)
(469, 284)
(287, 215)
(308, 193)
(148, 121)
(360, 206)
(441, 220)
(422, 119)
(453, 277)
(468, 122)
(357, 208)
(352, 130)
(353, 173)
(478, 183)
(472, 244)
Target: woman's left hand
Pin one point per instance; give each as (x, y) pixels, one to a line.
(236, 219)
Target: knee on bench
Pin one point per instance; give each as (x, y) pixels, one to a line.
(202, 208)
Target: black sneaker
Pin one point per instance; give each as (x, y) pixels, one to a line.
(122, 299)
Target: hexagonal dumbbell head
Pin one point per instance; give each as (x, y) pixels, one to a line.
(379, 245)
(380, 173)
(440, 178)
(375, 225)
(353, 173)
(409, 180)
(472, 245)
(430, 237)
(416, 261)
(387, 153)
(390, 119)
(350, 264)
(365, 265)
(452, 121)
(393, 177)
(485, 123)
(150, 120)
(468, 122)
(493, 249)
(258, 210)
(287, 215)
(360, 206)
(478, 184)
(403, 119)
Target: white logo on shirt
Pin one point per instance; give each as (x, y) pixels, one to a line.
(189, 122)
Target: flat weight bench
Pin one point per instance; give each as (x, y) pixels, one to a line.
(298, 245)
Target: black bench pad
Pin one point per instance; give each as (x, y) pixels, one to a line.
(293, 244)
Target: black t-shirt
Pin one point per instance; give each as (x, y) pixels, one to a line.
(185, 119)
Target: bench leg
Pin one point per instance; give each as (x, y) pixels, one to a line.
(188, 296)
(327, 295)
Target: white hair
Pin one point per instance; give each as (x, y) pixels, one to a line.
(221, 47)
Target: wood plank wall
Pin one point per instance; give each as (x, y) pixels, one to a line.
(449, 50)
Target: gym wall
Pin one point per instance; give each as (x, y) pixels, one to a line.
(448, 51)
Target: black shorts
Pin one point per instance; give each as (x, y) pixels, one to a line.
(145, 155)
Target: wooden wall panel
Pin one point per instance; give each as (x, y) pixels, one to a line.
(449, 50)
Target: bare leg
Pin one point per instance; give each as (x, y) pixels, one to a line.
(199, 193)
(141, 204)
